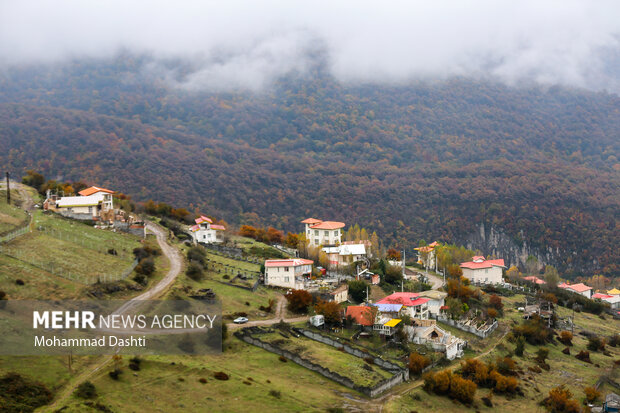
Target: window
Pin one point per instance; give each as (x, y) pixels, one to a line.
(316, 241)
(286, 279)
(336, 233)
(285, 269)
(316, 232)
(327, 233)
(204, 237)
(486, 271)
(90, 210)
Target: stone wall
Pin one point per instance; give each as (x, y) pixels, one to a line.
(400, 374)
(134, 229)
(482, 333)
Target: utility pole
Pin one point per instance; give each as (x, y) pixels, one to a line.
(367, 295)
(8, 188)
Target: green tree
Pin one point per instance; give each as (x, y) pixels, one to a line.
(357, 290)
(551, 276)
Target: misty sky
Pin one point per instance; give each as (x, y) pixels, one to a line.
(245, 44)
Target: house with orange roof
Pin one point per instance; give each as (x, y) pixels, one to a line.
(483, 271)
(206, 232)
(93, 203)
(534, 279)
(288, 273)
(426, 255)
(325, 233)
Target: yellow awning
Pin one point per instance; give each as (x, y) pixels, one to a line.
(614, 291)
(392, 323)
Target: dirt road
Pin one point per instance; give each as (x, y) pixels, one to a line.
(279, 315)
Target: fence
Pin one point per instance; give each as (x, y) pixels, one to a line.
(91, 245)
(482, 332)
(14, 234)
(399, 376)
(60, 271)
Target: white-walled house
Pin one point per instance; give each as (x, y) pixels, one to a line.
(480, 270)
(437, 299)
(205, 231)
(320, 232)
(426, 255)
(415, 306)
(580, 288)
(287, 273)
(345, 254)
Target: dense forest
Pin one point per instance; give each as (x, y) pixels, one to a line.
(428, 161)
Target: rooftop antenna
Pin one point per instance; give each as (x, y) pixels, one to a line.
(8, 189)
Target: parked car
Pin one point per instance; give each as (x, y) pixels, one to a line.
(240, 320)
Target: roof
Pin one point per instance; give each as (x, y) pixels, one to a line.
(433, 244)
(194, 228)
(563, 285)
(311, 221)
(202, 219)
(293, 262)
(613, 291)
(473, 265)
(426, 248)
(444, 307)
(361, 314)
(79, 201)
(218, 227)
(93, 190)
(393, 322)
(328, 225)
(534, 279)
(339, 289)
(434, 294)
(601, 296)
(388, 308)
(581, 287)
(406, 299)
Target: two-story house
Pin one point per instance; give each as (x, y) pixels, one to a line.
(205, 231)
(483, 271)
(288, 273)
(324, 233)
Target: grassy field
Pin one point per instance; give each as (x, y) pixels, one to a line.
(258, 382)
(11, 217)
(73, 250)
(329, 357)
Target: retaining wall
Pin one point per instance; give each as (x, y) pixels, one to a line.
(400, 374)
(469, 328)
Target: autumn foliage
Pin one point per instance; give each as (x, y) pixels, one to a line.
(452, 385)
(560, 401)
(330, 310)
(299, 301)
(418, 362)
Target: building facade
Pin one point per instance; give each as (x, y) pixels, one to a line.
(324, 233)
(483, 271)
(288, 273)
(206, 232)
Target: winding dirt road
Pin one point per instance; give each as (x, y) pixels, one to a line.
(280, 312)
(176, 265)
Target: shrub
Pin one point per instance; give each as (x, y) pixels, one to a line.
(584, 356)
(283, 359)
(520, 346)
(614, 340)
(596, 343)
(492, 313)
(560, 401)
(202, 380)
(197, 254)
(496, 302)
(418, 362)
(220, 375)
(534, 331)
(566, 351)
(2, 295)
(357, 290)
(330, 310)
(591, 394)
(504, 384)
(114, 374)
(566, 338)
(369, 360)
(275, 393)
(86, 390)
(447, 383)
(19, 281)
(299, 301)
(541, 355)
(506, 365)
(462, 389)
(140, 279)
(146, 266)
(194, 271)
(19, 394)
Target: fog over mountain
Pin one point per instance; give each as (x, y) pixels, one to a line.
(246, 45)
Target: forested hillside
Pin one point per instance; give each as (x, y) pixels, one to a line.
(430, 161)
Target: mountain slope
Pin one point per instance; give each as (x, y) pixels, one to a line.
(424, 161)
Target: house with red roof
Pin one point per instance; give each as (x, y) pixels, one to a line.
(482, 271)
(415, 306)
(206, 232)
(579, 288)
(319, 232)
(288, 273)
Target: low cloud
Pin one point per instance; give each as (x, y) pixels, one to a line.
(247, 44)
